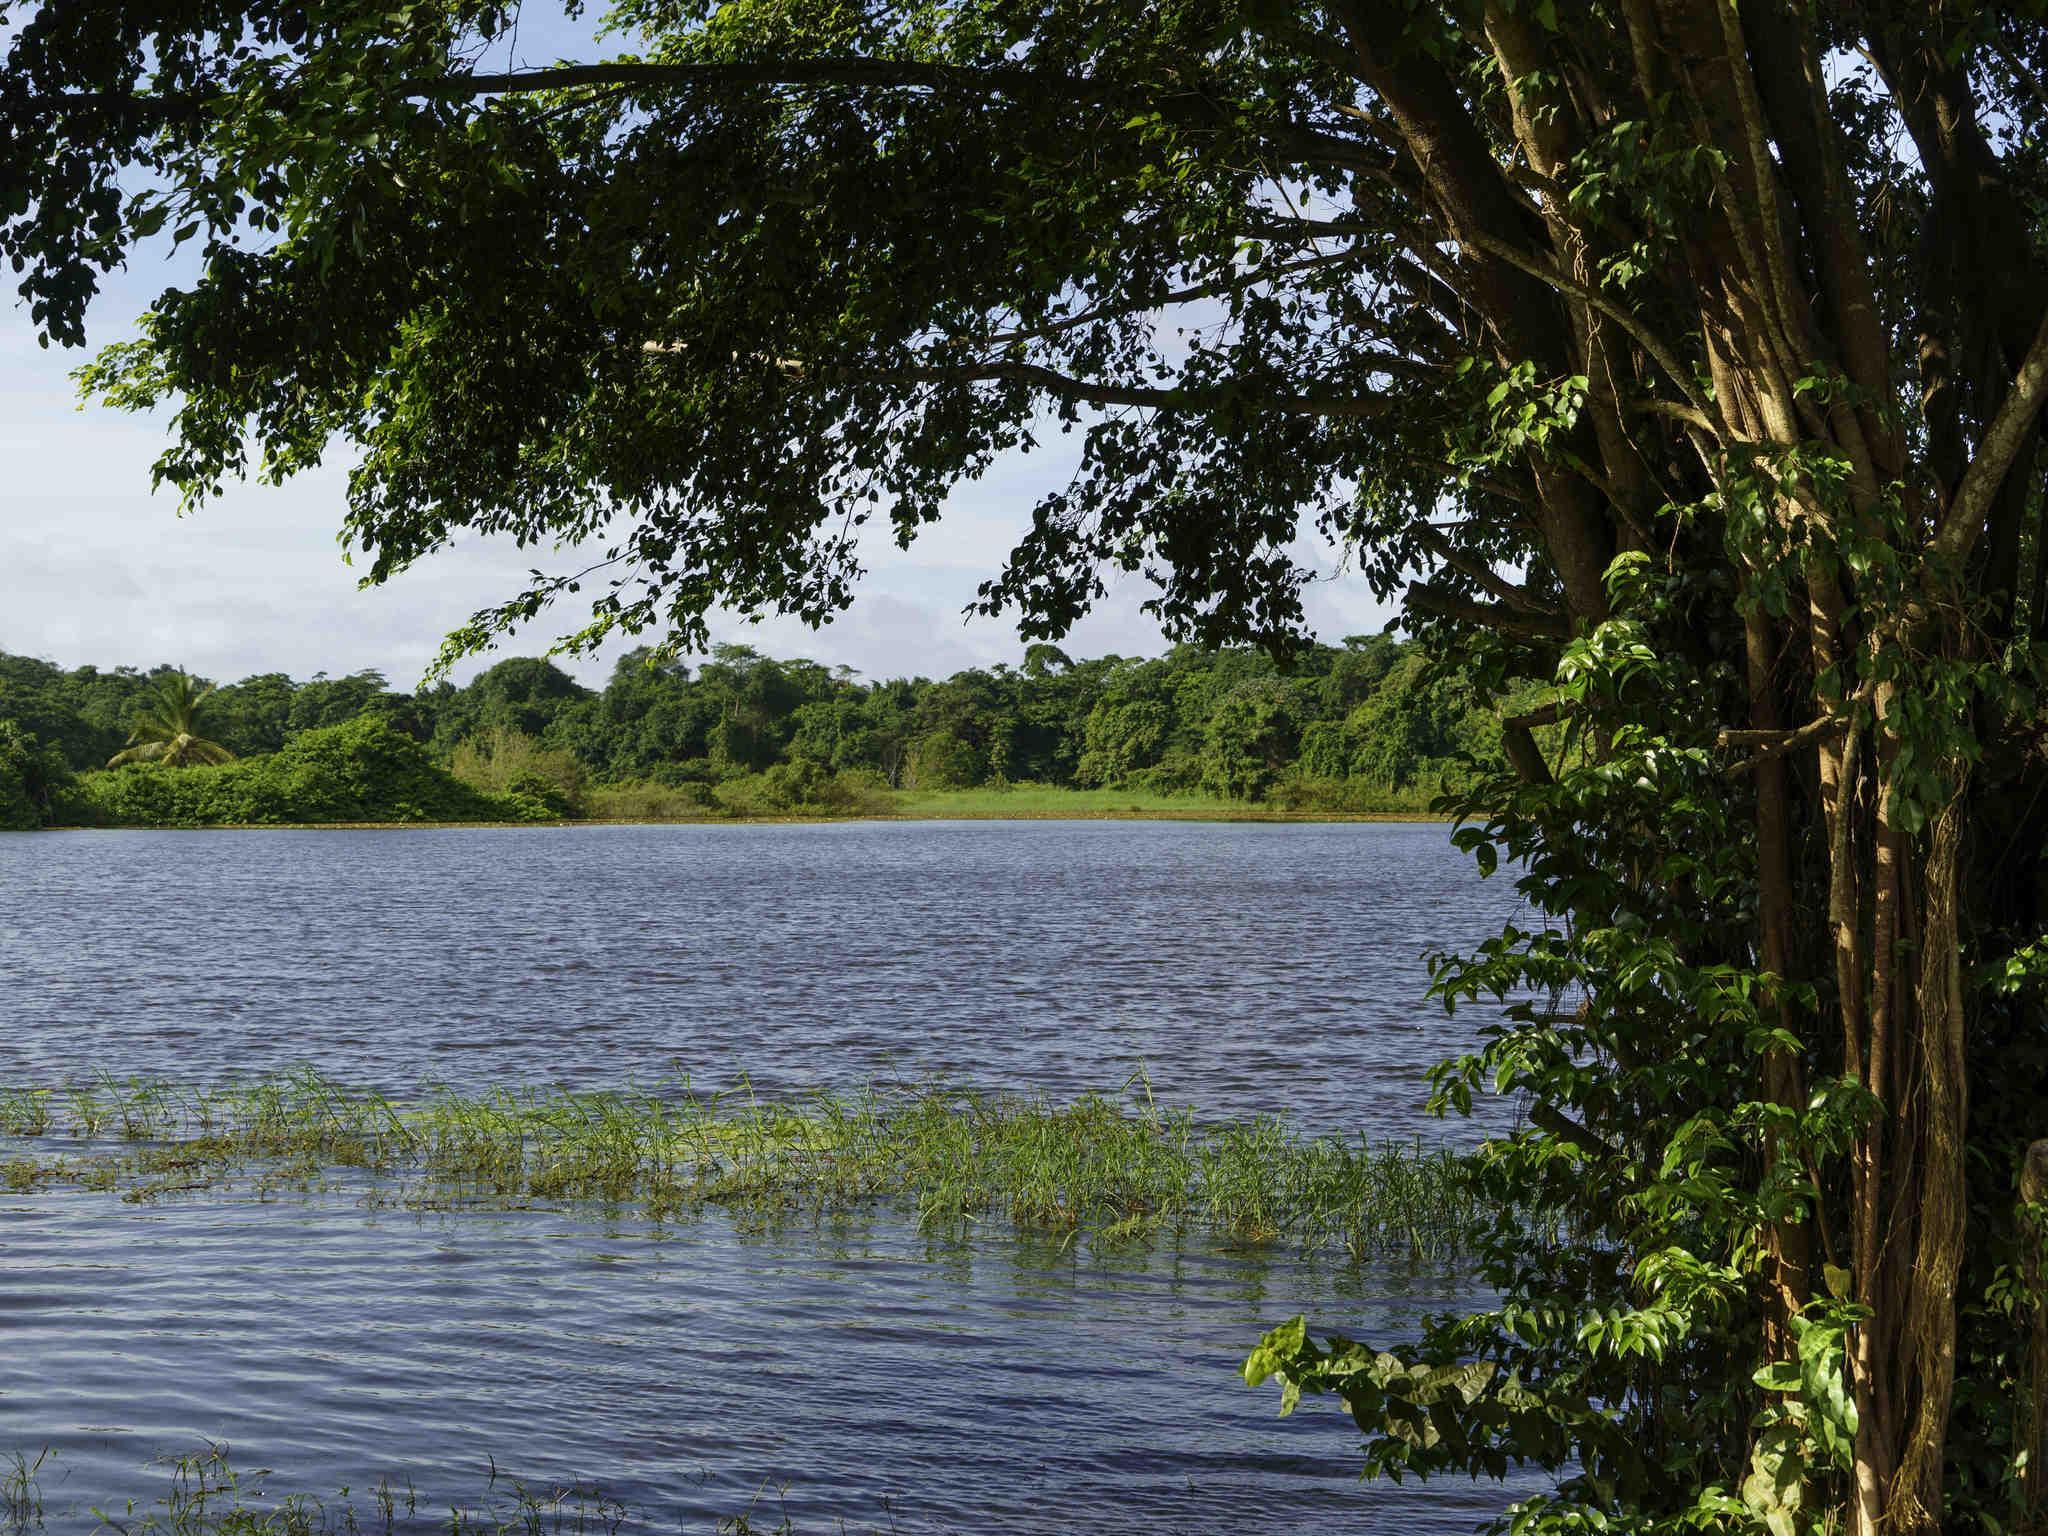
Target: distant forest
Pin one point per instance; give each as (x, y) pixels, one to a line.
(1367, 724)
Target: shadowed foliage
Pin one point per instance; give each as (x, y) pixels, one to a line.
(34, 780)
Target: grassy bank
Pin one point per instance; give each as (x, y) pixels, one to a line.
(1040, 802)
(657, 805)
(1093, 1168)
(366, 773)
(783, 794)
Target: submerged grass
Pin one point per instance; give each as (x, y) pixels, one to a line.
(206, 1495)
(1097, 1166)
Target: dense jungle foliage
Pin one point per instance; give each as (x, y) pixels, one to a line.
(364, 770)
(1366, 726)
(31, 778)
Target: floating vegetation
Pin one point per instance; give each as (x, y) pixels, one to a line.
(208, 1496)
(1097, 1166)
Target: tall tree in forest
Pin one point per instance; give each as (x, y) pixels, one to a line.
(1720, 326)
(169, 722)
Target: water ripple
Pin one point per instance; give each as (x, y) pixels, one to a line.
(1245, 968)
(884, 1380)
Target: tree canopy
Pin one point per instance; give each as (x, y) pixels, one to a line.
(1374, 725)
(1688, 356)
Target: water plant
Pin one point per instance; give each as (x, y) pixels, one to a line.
(1101, 1166)
(209, 1496)
(21, 1492)
(24, 1111)
(206, 1494)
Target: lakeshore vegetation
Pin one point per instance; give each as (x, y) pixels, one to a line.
(1104, 1168)
(1369, 726)
(204, 1493)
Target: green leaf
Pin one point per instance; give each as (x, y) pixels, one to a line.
(1279, 1348)
(1824, 1381)
(1782, 1376)
(1775, 1489)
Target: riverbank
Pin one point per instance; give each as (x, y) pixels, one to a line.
(1024, 803)
(788, 819)
(1040, 803)
(367, 774)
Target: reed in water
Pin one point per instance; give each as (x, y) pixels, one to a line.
(1107, 1167)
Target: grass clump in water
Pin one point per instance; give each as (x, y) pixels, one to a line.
(208, 1496)
(1096, 1166)
(24, 1111)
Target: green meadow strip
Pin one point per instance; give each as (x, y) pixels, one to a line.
(1095, 1166)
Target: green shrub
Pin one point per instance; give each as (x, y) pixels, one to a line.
(543, 798)
(856, 792)
(1306, 794)
(690, 770)
(364, 770)
(1249, 741)
(869, 785)
(652, 800)
(941, 760)
(801, 788)
(1179, 772)
(34, 780)
(1325, 751)
(503, 761)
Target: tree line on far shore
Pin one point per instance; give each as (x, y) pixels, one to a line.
(1370, 724)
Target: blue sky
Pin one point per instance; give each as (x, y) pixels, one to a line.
(98, 569)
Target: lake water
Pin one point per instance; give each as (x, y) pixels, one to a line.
(853, 1372)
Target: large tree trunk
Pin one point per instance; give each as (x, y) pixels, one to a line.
(1784, 290)
(1910, 1198)
(1789, 1242)
(2031, 1419)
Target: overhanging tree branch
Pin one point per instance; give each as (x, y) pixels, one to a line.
(1086, 392)
(2002, 442)
(1770, 745)
(1641, 334)
(1303, 143)
(1479, 572)
(631, 75)
(1201, 398)
(1498, 617)
(1237, 283)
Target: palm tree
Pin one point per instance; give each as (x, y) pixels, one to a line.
(167, 729)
